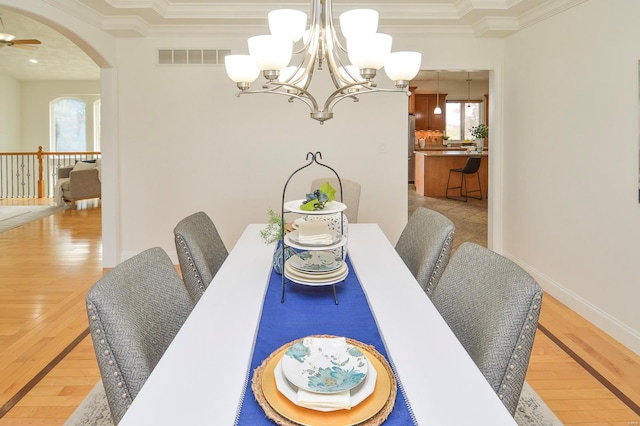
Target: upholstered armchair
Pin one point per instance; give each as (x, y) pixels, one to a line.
(80, 183)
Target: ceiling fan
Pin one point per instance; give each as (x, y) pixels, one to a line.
(10, 40)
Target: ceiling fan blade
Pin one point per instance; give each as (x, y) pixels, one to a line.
(24, 46)
(26, 41)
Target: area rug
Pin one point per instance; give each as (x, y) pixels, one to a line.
(94, 410)
(14, 216)
(532, 410)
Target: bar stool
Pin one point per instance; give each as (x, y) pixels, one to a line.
(472, 166)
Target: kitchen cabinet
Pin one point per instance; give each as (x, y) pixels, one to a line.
(412, 100)
(423, 105)
(432, 171)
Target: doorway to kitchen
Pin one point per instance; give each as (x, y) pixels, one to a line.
(444, 108)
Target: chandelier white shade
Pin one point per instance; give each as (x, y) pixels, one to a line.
(400, 66)
(270, 52)
(352, 61)
(358, 22)
(241, 69)
(369, 51)
(288, 22)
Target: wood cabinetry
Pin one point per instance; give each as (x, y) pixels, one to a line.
(432, 172)
(412, 100)
(423, 105)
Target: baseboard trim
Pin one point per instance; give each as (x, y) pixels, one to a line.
(619, 331)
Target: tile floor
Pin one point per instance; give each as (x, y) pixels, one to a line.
(470, 218)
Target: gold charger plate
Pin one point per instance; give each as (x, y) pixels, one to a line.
(373, 411)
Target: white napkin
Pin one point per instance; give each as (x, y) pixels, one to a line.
(314, 233)
(316, 239)
(314, 401)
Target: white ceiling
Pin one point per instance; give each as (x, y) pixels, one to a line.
(60, 59)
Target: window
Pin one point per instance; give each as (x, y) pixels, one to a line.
(461, 117)
(68, 121)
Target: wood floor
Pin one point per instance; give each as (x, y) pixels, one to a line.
(48, 265)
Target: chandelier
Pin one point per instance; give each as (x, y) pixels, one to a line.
(289, 71)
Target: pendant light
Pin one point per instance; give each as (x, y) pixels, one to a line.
(437, 109)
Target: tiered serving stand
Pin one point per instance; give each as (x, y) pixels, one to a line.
(334, 207)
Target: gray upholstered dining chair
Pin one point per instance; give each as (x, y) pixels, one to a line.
(200, 251)
(350, 196)
(425, 245)
(492, 306)
(135, 310)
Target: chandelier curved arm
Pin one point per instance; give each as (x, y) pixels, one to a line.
(306, 97)
(339, 94)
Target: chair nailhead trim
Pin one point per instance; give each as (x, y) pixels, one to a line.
(194, 270)
(107, 353)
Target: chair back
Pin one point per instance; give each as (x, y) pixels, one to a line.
(200, 251)
(350, 195)
(492, 305)
(425, 245)
(135, 311)
(472, 165)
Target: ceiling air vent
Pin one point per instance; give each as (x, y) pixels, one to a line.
(192, 56)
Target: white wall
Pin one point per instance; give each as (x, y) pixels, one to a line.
(9, 114)
(35, 111)
(571, 212)
(187, 143)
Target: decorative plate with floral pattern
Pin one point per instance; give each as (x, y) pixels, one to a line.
(324, 365)
(315, 261)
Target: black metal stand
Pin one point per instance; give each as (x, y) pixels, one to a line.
(311, 158)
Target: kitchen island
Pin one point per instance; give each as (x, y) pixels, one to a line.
(432, 171)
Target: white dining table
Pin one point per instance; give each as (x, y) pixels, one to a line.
(201, 377)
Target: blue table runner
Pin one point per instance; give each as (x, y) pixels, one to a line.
(311, 310)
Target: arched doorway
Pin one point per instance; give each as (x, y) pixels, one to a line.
(99, 47)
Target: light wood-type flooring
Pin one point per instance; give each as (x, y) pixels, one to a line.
(47, 364)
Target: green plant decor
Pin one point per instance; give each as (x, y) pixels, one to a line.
(480, 131)
(318, 198)
(273, 232)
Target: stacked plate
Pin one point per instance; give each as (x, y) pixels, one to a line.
(315, 268)
(325, 374)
